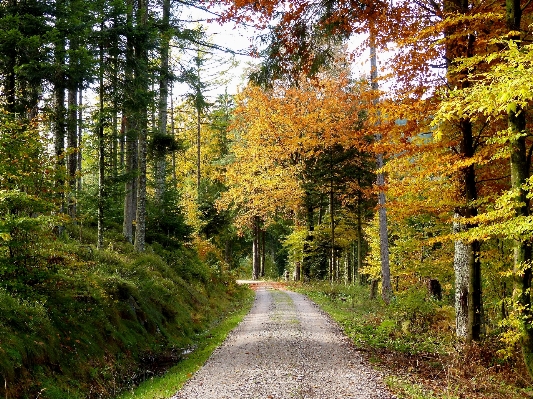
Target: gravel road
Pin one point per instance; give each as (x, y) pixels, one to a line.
(285, 348)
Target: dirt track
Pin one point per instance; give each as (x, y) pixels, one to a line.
(285, 348)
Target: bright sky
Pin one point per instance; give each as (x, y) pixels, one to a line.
(235, 37)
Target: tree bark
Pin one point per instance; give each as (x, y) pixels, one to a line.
(101, 152)
(467, 264)
(256, 257)
(333, 261)
(79, 155)
(163, 100)
(142, 84)
(386, 287)
(359, 264)
(523, 272)
(72, 145)
(129, 133)
(263, 252)
(60, 112)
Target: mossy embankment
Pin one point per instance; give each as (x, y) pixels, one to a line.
(93, 323)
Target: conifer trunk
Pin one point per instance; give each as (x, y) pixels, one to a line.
(163, 100)
(60, 114)
(101, 152)
(142, 84)
(72, 145)
(79, 155)
(129, 134)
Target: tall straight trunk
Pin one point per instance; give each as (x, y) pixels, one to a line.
(60, 121)
(263, 252)
(520, 164)
(467, 264)
(173, 132)
(142, 84)
(129, 133)
(198, 150)
(79, 156)
(332, 262)
(10, 80)
(163, 100)
(115, 115)
(101, 152)
(386, 287)
(256, 256)
(306, 256)
(348, 261)
(72, 145)
(359, 234)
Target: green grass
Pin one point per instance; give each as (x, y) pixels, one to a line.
(408, 390)
(91, 321)
(168, 384)
(412, 340)
(404, 326)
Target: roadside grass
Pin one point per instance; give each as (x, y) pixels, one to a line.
(412, 342)
(162, 387)
(90, 323)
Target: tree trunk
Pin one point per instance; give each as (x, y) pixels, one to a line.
(198, 150)
(333, 261)
(467, 262)
(142, 84)
(523, 272)
(467, 265)
(59, 126)
(129, 132)
(464, 311)
(359, 235)
(101, 152)
(173, 132)
(386, 287)
(256, 258)
(163, 101)
(263, 252)
(306, 256)
(72, 145)
(79, 157)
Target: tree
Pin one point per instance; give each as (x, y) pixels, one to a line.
(500, 95)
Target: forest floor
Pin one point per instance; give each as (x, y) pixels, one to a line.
(285, 348)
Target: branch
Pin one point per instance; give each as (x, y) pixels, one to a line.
(211, 46)
(207, 10)
(493, 179)
(526, 5)
(478, 138)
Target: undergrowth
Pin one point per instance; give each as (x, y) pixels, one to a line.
(412, 340)
(97, 322)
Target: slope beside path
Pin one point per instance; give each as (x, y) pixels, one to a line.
(285, 348)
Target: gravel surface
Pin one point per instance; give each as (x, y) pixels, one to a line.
(285, 348)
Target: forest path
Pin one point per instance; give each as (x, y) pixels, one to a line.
(285, 348)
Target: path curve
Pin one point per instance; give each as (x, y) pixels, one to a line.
(285, 348)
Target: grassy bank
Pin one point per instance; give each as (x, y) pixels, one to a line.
(93, 323)
(412, 340)
(162, 387)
